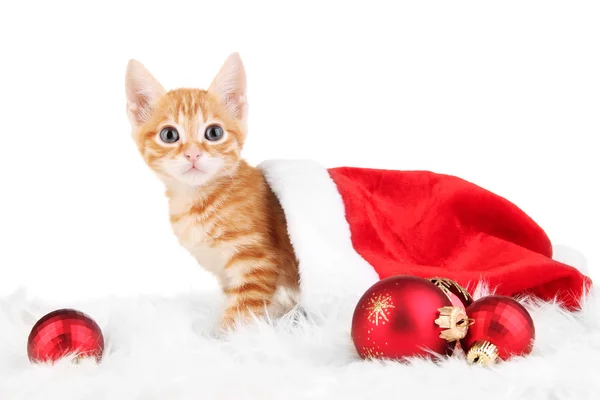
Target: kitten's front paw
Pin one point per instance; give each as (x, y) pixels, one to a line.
(228, 323)
(234, 317)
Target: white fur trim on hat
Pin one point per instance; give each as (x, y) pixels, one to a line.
(330, 268)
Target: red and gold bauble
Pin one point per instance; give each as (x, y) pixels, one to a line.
(65, 332)
(501, 328)
(456, 293)
(406, 316)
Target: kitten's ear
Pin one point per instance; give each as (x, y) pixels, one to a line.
(142, 91)
(230, 86)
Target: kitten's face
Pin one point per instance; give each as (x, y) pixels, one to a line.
(189, 136)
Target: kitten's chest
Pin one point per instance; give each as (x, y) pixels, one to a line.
(193, 233)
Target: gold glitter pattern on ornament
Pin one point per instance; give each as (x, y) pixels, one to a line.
(444, 284)
(369, 352)
(377, 307)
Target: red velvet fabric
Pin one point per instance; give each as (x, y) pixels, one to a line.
(427, 224)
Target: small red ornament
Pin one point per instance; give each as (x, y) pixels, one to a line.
(456, 293)
(63, 332)
(406, 316)
(501, 328)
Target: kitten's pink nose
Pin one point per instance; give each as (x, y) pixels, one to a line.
(192, 154)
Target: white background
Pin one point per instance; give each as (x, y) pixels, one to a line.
(505, 94)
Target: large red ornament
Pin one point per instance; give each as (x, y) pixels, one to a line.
(405, 316)
(501, 328)
(65, 332)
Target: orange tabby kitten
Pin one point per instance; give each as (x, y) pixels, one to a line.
(221, 209)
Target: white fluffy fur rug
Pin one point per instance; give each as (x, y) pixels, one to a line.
(163, 348)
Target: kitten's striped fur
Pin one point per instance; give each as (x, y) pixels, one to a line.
(225, 215)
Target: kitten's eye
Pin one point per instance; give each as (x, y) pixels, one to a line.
(169, 135)
(213, 133)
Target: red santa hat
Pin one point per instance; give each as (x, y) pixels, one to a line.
(351, 227)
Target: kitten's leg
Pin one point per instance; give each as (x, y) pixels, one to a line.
(250, 285)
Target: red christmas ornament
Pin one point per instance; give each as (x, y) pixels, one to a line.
(501, 328)
(456, 293)
(406, 316)
(63, 332)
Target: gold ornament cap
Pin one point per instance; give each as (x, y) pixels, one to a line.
(482, 353)
(455, 323)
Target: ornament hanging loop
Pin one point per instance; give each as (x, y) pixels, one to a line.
(455, 323)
